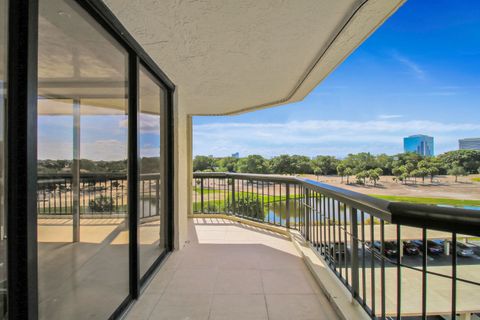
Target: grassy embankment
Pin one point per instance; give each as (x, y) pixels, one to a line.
(223, 199)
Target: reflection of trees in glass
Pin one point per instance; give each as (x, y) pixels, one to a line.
(150, 165)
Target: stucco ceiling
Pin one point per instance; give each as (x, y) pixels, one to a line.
(231, 56)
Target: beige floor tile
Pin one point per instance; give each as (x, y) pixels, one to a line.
(182, 307)
(239, 281)
(297, 307)
(143, 307)
(160, 281)
(274, 259)
(286, 281)
(241, 307)
(190, 281)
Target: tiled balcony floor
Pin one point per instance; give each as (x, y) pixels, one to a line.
(232, 271)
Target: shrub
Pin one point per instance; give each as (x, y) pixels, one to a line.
(101, 204)
(249, 207)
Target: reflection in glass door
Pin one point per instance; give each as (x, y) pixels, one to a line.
(83, 242)
(152, 226)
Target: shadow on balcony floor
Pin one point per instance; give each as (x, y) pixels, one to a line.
(232, 271)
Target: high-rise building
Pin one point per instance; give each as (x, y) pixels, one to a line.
(469, 144)
(236, 155)
(419, 143)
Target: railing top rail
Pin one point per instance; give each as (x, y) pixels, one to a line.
(462, 221)
(103, 175)
(359, 201)
(246, 176)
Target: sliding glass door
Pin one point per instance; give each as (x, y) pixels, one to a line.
(83, 242)
(152, 226)
(85, 193)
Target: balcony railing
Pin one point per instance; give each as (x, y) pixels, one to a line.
(396, 259)
(100, 195)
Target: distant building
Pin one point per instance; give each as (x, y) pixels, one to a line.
(236, 155)
(419, 143)
(469, 144)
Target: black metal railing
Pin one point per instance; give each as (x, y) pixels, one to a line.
(396, 259)
(99, 195)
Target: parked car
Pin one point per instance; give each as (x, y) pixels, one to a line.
(465, 249)
(389, 248)
(336, 249)
(410, 249)
(433, 248)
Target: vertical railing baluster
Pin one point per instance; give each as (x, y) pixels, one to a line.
(372, 263)
(399, 273)
(307, 214)
(424, 273)
(354, 246)
(364, 286)
(453, 253)
(201, 196)
(287, 206)
(382, 262)
(233, 196)
(334, 235)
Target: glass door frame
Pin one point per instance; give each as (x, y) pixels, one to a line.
(21, 154)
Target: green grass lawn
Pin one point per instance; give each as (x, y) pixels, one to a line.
(444, 201)
(220, 204)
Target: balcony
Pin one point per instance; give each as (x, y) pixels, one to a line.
(277, 247)
(231, 270)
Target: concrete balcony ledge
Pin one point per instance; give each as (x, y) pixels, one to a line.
(345, 306)
(233, 270)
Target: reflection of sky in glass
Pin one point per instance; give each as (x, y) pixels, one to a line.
(102, 137)
(149, 135)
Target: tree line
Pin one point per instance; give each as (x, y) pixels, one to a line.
(364, 167)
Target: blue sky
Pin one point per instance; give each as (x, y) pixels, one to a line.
(419, 73)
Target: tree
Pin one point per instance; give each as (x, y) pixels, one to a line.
(202, 163)
(252, 164)
(457, 171)
(282, 164)
(432, 172)
(373, 176)
(361, 177)
(348, 172)
(468, 159)
(341, 170)
(400, 173)
(301, 164)
(226, 164)
(324, 165)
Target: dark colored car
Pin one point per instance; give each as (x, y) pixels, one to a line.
(389, 248)
(336, 249)
(465, 249)
(410, 249)
(433, 248)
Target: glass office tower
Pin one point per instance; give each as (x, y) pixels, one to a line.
(420, 144)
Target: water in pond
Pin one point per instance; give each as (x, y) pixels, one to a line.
(276, 212)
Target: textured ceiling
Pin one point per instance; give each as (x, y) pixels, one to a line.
(230, 56)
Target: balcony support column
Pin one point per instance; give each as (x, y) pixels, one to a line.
(183, 168)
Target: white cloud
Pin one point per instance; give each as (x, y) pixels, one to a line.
(389, 116)
(108, 150)
(413, 67)
(148, 123)
(336, 137)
